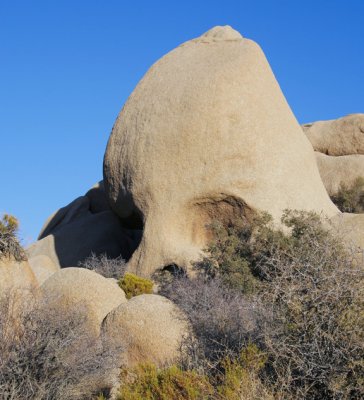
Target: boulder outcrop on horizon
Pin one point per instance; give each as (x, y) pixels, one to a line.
(339, 149)
(337, 137)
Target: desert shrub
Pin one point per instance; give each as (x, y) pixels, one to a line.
(135, 285)
(223, 321)
(9, 243)
(240, 377)
(147, 382)
(237, 380)
(313, 291)
(305, 312)
(105, 266)
(350, 198)
(230, 253)
(48, 354)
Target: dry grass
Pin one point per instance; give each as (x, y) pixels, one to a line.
(306, 313)
(107, 267)
(47, 353)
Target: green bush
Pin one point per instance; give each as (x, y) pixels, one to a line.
(240, 377)
(350, 198)
(230, 254)
(9, 243)
(134, 285)
(313, 292)
(147, 382)
(303, 303)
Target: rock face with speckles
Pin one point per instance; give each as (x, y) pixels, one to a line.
(339, 147)
(337, 137)
(149, 327)
(206, 134)
(79, 288)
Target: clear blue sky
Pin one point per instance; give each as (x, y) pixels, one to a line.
(67, 67)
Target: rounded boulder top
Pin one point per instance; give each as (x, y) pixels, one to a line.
(219, 33)
(207, 133)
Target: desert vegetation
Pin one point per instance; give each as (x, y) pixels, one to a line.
(274, 314)
(297, 297)
(104, 265)
(134, 285)
(48, 352)
(350, 198)
(9, 242)
(131, 284)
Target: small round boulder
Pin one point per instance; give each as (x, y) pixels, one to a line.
(85, 289)
(150, 328)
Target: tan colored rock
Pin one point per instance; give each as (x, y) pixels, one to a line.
(337, 170)
(86, 225)
(72, 242)
(151, 328)
(43, 267)
(16, 275)
(337, 137)
(79, 287)
(206, 133)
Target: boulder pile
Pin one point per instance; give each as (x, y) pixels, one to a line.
(339, 147)
(207, 135)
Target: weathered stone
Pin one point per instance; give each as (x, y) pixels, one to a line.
(206, 134)
(149, 327)
(43, 267)
(337, 137)
(72, 242)
(335, 171)
(15, 275)
(350, 227)
(79, 287)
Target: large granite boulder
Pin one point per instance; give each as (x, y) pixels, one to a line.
(337, 137)
(335, 171)
(87, 225)
(149, 327)
(207, 134)
(79, 288)
(43, 267)
(16, 275)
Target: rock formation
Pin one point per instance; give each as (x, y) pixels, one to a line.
(338, 137)
(43, 267)
(151, 327)
(15, 275)
(339, 151)
(207, 134)
(339, 170)
(86, 290)
(85, 225)
(339, 146)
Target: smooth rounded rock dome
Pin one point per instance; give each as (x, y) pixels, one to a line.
(150, 328)
(207, 133)
(79, 287)
(43, 267)
(337, 137)
(16, 275)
